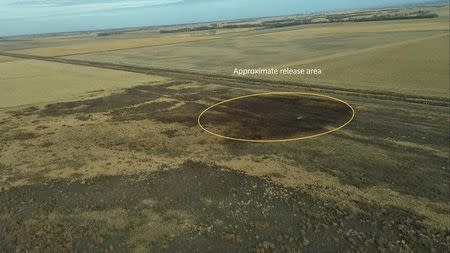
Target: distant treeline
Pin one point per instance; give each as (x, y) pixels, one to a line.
(286, 22)
(241, 26)
(343, 17)
(396, 17)
(331, 18)
(109, 33)
(266, 24)
(210, 27)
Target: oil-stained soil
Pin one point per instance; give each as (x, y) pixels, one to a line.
(199, 207)
(275, 117)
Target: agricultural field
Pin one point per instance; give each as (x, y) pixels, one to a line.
(93, 42)
(313, 46)
(416, 67)
(146, 142)
(6, 59)
(25, 82)
(111, 44)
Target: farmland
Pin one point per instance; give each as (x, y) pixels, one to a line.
(303, 47)
(100, 148)
(46, 82)
(410, 65)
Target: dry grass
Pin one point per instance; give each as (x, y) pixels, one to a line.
(29, 81)
(102, 146)
(334, 190)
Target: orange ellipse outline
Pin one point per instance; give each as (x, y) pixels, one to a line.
(276, 140)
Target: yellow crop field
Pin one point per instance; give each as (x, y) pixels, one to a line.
(419, 68)
(6, 59)
(347, 56)
(29, 81)
(85, 44)
(113, 44)
(367, 27)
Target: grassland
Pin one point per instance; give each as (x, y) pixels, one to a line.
(109, 158)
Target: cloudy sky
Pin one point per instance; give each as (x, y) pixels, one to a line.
(42, 16)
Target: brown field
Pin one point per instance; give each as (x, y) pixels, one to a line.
(98, 157)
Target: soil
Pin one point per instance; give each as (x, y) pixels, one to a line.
(275, 117)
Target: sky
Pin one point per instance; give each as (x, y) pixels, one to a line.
(48, 16)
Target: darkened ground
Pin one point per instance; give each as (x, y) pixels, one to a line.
(222, 211)
(276, 117)
(202, 206)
